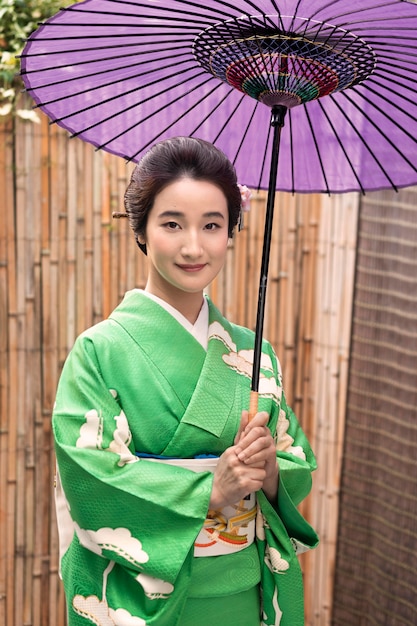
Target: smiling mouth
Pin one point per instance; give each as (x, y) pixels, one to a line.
(192, 268)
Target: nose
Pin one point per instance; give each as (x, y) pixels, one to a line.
(191, 244)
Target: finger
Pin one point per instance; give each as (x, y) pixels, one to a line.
(260, 419)
(252, 450)
(259, 434)
(244, 420)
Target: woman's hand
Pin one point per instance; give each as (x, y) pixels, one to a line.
(249, 465)
(234, 479)
(255, 445)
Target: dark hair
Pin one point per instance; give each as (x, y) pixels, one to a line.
(170, 160)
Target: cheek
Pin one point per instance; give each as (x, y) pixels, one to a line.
(221, 247)
(160, 244)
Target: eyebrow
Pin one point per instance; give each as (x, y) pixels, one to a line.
(208, 215)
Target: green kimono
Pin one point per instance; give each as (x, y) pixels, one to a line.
(140, 382)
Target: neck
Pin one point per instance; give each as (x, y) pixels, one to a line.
(188, 304)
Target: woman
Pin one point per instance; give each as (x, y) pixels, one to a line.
(158, 462)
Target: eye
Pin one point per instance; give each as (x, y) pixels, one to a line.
(172, 225)
(212, 226)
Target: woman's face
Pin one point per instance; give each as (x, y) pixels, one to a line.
(186, 238)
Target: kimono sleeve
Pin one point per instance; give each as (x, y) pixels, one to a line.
(296, 463)
(282, 532)
(145, 516)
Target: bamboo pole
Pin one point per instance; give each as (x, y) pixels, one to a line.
(6, 239)
(71, 247)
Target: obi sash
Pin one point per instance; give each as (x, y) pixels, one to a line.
(224, 531)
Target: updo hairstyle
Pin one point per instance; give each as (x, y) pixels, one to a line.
(169, 161)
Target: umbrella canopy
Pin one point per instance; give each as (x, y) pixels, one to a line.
(125, 74)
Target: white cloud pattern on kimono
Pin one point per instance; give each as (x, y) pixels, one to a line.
(299, 547)
(117, 540)
(260, 524)
(154, 588)
(274, 560)
(278, 613)
(121, 440)
(284, 440)
(217, 331)
(98, 612)
(91, 433)
(242, 362)
(121, 617)
(92, 609)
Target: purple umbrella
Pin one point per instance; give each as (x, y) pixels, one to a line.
(124, 74)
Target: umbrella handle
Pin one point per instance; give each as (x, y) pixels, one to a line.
(277, 122)
(253, 404)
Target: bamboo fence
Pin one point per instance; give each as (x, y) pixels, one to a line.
(376, 569)
(65, 264)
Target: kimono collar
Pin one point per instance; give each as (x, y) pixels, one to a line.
(199, 329)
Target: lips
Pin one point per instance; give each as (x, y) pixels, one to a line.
(192, 268)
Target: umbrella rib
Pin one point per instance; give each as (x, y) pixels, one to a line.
(317, 149)
(145, 119)
(389, 100)
(341, 145)
(262, 169)
(96, 48)
(337, 16)
(407, 56)
(243, 49)
(278, 14)
(258, 80)
(227, 122)
(188, 3)
(258, 12)
(198, 23)
(106, 71)
(201, 22)
(122, 25)
(191, 108)
(365, 145)
(362, 25)
(133, 90)
(114, 82)
(384, 43)
(245, 133)
(394, 122)
(213, 111)
(291, 26)
(187, 38)
(411, 101)
(323, 8)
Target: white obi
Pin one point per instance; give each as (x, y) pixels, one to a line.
(227, 530)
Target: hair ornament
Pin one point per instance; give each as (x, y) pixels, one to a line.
(246, 195)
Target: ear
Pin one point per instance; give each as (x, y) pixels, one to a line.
(141, 243)
(140, 238)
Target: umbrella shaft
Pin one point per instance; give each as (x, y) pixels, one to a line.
(277, 122)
